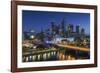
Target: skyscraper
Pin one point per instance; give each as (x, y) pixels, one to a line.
(52, 28)
(82, 31)
(63, 25)
(77, 29)
(70, 28)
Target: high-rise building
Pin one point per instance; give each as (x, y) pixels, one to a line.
(41, 36)
(70, 28)
(62, 28)
(63, 25)
(82, 31)
(77, 29)
(53, 28)
(52, 25)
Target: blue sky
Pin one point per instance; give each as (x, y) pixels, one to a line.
(42, 19)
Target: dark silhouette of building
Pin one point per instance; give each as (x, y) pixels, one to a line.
(77, 29)
(63, 27)
(26, 35)
(82, 31)
(52, 28)
(42, 35)
(70, 28)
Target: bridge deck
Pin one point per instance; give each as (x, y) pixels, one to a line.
(37, 52)
(74, 47)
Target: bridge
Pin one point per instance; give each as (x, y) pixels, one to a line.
(74, 47)
(38, 55)
(35, 52)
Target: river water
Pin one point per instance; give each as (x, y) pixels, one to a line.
(57, 56)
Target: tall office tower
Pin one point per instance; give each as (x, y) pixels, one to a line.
(63, 26)
(82, 31)
(41, 35)
(53, 28)
(77, 29)
(70, 28)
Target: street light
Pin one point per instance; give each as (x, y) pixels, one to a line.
(32, 36)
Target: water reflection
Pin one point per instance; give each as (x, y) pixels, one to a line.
(56, 55)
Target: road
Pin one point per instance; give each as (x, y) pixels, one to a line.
(74, 47)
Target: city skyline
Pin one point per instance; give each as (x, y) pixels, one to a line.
(38, 20)
(56, 33)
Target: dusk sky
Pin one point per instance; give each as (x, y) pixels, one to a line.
(42, 19)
